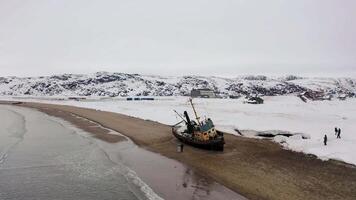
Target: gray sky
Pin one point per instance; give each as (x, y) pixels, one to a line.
(217, 37)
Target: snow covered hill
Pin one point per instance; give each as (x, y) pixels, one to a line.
(120, 84)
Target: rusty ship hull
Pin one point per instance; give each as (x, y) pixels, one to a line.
(216, 144)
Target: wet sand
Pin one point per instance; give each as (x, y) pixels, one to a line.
(257, 169)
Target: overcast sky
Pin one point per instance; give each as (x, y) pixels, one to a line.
(207, 37)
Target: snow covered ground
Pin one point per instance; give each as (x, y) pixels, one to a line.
(284, 113)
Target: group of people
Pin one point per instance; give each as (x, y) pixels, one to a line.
(337, 133)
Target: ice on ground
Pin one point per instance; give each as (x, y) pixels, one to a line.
(284, 113)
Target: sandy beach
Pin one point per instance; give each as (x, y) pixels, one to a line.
(254, 168)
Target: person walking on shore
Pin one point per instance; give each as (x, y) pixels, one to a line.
(325, 139)
(339, 133)
(336, 130)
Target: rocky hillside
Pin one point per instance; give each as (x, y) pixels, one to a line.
(120, 84)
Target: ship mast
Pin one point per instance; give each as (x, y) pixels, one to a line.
(195, 112)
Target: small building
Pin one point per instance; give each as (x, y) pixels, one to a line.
(327, 97)
(203, 93)
(77, 98)
(342, 97)
(140, 99)
(234, 96)
(303, 98)
(254, 100)
(314, 95)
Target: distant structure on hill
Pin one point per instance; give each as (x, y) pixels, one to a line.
(77, 98)
(203, 93)
(342, 97)
(254, 100)
(140, 99)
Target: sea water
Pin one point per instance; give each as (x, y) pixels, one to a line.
(42, 159)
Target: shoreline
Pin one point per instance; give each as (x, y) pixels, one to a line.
(257, 169)
(148, 174)
(147, 165)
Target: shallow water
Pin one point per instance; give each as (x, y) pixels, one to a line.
(43, 157)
